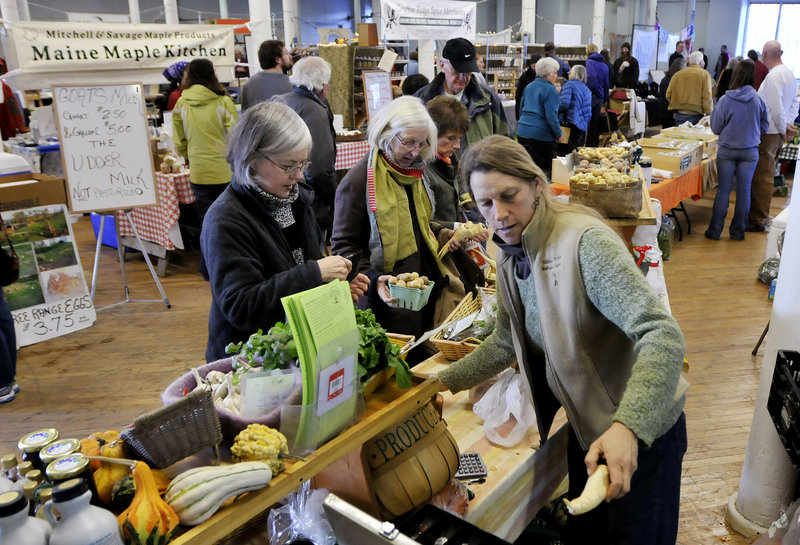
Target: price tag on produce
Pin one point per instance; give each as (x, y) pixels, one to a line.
(264, 392)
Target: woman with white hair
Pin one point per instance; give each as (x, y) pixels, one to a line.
(260, 239)
(538, 127)
(310, 78)
(383, 213)
(576, 106)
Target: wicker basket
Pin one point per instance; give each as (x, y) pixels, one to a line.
(230, 423)
(169, 434)
(454, 350)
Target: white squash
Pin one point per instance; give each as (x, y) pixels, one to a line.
(593, 493)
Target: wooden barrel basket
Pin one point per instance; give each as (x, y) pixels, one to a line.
(411, 460)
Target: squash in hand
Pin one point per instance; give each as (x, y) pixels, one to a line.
(148, 520)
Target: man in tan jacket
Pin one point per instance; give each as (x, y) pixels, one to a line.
(689, 91)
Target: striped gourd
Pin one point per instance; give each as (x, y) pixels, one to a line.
(198, 493)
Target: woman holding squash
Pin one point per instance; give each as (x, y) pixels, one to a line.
(260, 239)
(383, 213)
(589, 335)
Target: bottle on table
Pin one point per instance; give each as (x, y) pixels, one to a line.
(16, 527)
(31, 444)
(80, 523)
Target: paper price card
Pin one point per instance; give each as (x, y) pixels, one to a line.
(336, 384)
(265, 392)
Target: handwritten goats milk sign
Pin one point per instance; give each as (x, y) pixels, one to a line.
(105, 147)
(425, 20)
(53, 46)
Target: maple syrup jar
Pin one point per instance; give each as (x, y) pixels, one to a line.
(69, 467)
(58, 448)
(16, 527)
(80, 523)
(31, 444)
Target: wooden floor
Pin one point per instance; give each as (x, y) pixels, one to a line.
(103, 377)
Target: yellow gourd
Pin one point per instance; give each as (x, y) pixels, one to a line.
(109, 473)
(148, 519)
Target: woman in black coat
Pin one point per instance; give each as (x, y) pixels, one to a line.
(260, 239)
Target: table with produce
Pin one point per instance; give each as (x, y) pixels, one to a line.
(205, 469)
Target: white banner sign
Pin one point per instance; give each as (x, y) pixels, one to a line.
(421, 20)
(57, 47)
(50, 298)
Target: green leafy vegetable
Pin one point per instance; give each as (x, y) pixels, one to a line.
(376, 351)
(275, 350)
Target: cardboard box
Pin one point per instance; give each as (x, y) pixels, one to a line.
(27, 190)
(561, 171)
(674, 155)
(709, 140)
(367, 34)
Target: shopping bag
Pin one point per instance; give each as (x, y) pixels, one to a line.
(564, 138)
(506, 399)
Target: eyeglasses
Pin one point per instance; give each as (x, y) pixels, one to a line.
(411, 146)
(293, 170)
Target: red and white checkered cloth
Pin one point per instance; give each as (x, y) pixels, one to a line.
(348, 153)
(155, 222)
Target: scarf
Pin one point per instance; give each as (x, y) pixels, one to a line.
(390, 212)
(280, 210)
(521, 264)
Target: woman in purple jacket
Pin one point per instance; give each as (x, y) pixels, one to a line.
(739, 118)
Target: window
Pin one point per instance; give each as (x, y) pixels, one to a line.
(773, 22)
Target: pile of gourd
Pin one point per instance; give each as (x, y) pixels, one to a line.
(192, 496)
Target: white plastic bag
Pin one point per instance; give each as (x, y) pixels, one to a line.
(301, 517)
(507, 398)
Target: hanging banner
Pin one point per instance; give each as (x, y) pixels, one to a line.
(421, 20)
(50, 298)
(57, 47)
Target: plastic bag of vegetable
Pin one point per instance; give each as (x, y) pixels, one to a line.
(483, 323)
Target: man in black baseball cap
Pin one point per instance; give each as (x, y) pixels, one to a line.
(457, 63)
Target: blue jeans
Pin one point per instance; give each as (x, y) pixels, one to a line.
(682, 118)
(648, 514)
(742, 163)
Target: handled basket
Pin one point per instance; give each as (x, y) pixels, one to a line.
(171, 433)
(454, 350)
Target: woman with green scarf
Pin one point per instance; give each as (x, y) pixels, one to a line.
(382, 212)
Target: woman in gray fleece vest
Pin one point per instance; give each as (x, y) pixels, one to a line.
(589, 335)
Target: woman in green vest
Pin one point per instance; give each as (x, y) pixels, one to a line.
(201, 120)
(589, 336)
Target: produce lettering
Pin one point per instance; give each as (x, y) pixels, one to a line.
(403, 436)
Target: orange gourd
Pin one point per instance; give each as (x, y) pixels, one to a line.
(148, 519)
(91, 445)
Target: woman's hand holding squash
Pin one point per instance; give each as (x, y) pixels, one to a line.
(620, 448)
(334, 267)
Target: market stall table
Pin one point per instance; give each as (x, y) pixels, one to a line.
(626, 226)
(517, 485)
(158, 225)
(348, 153)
